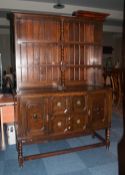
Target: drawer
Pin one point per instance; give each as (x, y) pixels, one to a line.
(58, 124)
(79, 122)
(79, 103)
(60, 105)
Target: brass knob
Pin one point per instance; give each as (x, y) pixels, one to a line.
(69, 127)
(59, 124)
(59, 104)
(78, 121)
(35, 116)
(78, 102)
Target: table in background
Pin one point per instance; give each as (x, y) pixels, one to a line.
(6, 115)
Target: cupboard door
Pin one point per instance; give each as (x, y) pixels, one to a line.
(58, 124)
(79, 103)
(79, 122)
(68, 115)
(34, 117)
(60, 105)
(58, 113)
(98, 109)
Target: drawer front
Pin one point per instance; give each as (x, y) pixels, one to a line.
(79, 122)
(58, 124)
(79, 103)
(60, 105)
(63, 124)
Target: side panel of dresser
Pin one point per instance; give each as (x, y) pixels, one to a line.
(100, 109)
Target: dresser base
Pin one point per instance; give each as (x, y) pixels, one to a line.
(103, 142)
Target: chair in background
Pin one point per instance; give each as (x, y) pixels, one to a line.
(113, 78)
(116, 77)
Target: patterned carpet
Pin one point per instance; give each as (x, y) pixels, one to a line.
(97, 161)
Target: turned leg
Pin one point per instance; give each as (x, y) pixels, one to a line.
(93, 134)
(17, 145)
(20, 154)
(107, 134)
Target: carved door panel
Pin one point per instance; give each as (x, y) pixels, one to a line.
(58, 124)
(79, 122)
(59, 113)
(98, 109)
(34, 117)
(60, 105)
(79, 113)
(79, 103)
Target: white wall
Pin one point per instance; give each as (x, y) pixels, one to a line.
(40, 7)
(115, 41)
(48, 7)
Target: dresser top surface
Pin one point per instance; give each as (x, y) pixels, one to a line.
(61, 90)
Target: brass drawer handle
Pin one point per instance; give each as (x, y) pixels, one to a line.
(59, 104)
(78, 121)
(69, 118)
(35, 116)
(69, 127)
(78, 102)
(59, 124)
